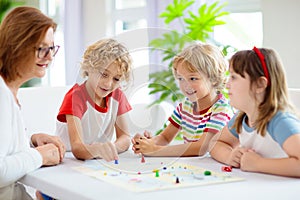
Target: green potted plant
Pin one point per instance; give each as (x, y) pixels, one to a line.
(6, 5)
(195, 27)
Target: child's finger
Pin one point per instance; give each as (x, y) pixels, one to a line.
(147, 134)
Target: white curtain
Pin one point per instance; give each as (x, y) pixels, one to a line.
(73, 39)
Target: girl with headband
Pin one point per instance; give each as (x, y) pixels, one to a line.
(264, 135)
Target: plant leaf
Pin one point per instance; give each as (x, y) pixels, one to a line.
(175, 10)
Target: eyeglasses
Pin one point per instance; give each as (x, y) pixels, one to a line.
(43, 52)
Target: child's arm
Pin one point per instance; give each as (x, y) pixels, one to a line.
(289, 166)
(157, 146)
(83, 151)
(225, 148)
(164, 138)
(152, 148)
(122, 142)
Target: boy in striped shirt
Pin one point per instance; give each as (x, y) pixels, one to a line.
(200, 71)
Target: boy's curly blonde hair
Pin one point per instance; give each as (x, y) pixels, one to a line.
(102, 53)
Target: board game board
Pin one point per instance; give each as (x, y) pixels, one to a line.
(153, 174)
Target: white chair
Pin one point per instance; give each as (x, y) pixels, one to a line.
(39, 106)
(294, 94)
(152, 119)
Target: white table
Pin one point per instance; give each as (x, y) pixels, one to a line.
(63, 182)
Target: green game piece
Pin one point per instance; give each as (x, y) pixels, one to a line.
(207, 173)
(156, 173)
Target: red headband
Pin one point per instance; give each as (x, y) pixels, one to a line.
(263, 63)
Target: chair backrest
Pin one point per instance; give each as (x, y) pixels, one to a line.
(39, 106)
(152, 119)
(294, 94)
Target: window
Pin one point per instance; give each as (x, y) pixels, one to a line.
(242, 30)
(56, 74)
(130, 20)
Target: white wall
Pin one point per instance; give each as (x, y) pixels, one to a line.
(95, 20)
(282, 32)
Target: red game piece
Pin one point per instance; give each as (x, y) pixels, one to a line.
(143, 159)
(226, 168)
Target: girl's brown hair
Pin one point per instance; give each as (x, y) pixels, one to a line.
(276, 94)
(20, 32)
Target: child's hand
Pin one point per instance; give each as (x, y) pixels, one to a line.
(250, 160)
(107, 151)
(49, 153)
(145, 146)
(147, 134)
(235, 157)
(134, 142)
(136, 138)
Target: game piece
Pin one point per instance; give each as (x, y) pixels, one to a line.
(116, 162)
(157, 173)
(199, 176)
(207, 173)
(226, 168)
(143, 159)
(46, 197)
(177, 180)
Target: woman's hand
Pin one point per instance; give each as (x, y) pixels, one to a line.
(49, 153)
(41, 139)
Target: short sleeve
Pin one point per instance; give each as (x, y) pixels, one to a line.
(230, 124)
(176, 118)
(282, 126)
(74, 103)
(221, 114)
(124, 105)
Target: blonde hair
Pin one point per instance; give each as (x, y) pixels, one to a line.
(20, 32)
(204, 58)
(276, 94)
(102, 53)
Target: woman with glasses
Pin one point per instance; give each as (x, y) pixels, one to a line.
(26, 49)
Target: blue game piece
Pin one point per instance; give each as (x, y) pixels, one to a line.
(116, 162)
(46, 197)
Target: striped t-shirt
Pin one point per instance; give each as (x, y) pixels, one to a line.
(194, 124)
